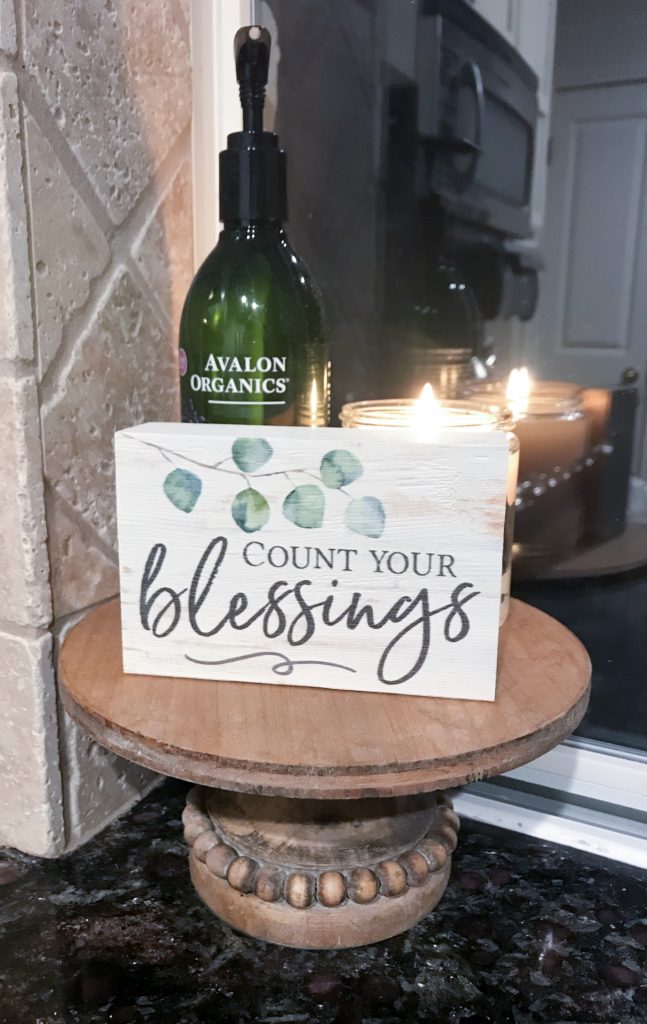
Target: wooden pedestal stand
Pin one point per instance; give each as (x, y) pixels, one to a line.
(318, 819)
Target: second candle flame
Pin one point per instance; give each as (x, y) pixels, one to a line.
(518, 390)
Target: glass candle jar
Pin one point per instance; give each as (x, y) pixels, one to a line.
(495, 390)
(456, 415)
(554, 437)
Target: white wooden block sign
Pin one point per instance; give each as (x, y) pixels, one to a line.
(348, 559)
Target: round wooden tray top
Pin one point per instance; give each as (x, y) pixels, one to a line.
(327, 744)
(620, 554)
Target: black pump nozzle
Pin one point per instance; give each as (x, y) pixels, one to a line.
(252, 55)
(252, 168)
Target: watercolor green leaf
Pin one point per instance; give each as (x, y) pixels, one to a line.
(182, 489)
(304, 506)
(365, 516)
(340, 468)
(250, 511)
(250, 453)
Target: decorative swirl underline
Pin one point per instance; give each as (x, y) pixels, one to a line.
(284, 667)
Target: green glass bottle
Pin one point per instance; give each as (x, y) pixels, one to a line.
(252, 341)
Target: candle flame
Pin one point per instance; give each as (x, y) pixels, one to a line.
(518, 390)
(313, 404)
(427, 411)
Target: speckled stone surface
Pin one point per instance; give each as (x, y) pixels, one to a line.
(527, 932)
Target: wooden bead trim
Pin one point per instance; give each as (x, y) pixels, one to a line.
(331, 888)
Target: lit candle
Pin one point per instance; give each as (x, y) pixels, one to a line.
(426, 415)
(553, 431)
(445, 421)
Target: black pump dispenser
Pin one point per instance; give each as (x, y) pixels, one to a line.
(252, 168)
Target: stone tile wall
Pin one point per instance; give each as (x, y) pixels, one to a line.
(95, 259)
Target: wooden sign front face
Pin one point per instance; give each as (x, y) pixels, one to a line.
(348, 559)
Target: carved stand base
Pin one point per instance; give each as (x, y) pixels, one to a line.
(319, 873)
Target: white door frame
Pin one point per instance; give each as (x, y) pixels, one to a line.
(578, 769)
(216, 107)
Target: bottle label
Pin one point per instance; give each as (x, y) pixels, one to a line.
(242, 380)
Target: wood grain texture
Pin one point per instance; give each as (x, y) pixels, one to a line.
(273, 555)
(320, 927)
(316, 834)
(295, 861)
(300, 742)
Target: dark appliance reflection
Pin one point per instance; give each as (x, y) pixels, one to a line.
(411, 133)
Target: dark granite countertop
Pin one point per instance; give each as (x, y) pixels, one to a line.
(527, 932)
